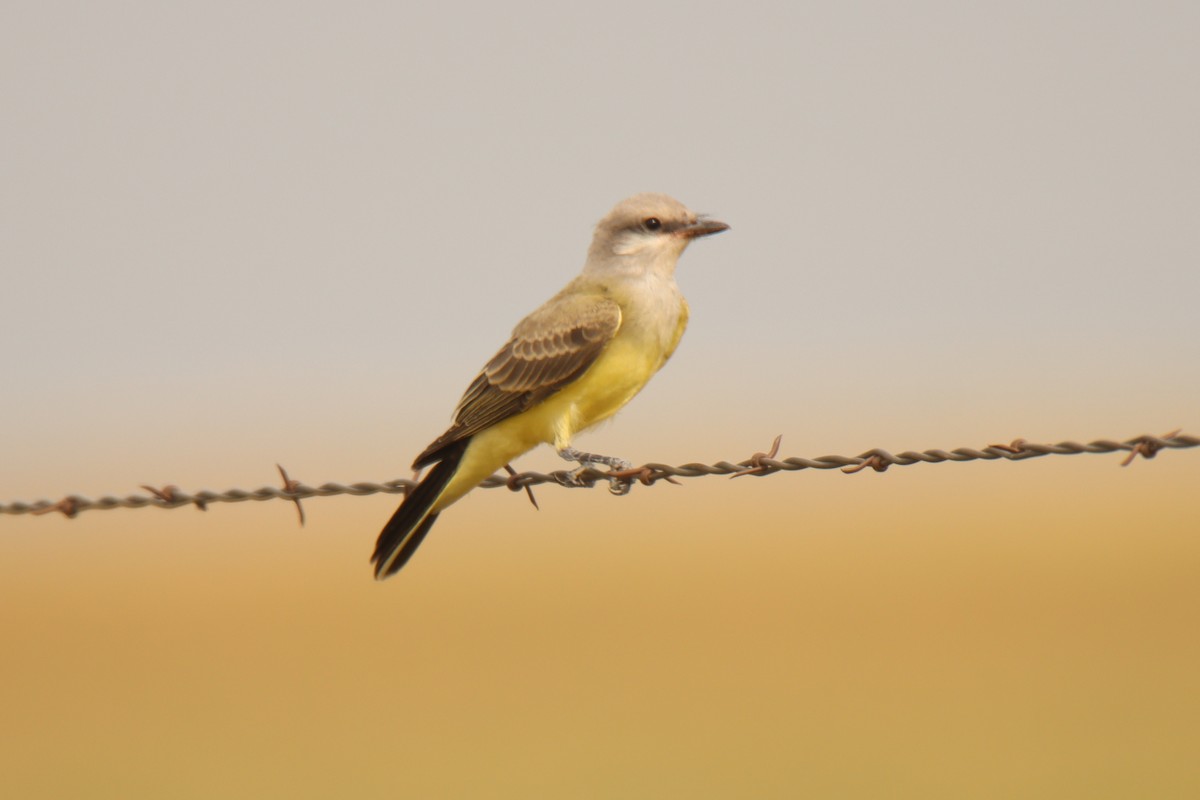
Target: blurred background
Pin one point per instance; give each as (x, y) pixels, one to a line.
(239, 234)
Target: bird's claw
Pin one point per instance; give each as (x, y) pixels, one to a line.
(576, 478)
(593, 463)
(592, 468)
(620, 486)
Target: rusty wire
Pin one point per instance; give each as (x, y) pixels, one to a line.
(760, 464)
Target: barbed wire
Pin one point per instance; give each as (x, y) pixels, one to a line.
(759, 464)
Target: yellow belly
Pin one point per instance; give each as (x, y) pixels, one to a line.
(618, 374)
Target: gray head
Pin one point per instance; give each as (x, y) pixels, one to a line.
(648, 229)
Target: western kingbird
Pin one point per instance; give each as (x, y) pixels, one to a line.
(567, 366)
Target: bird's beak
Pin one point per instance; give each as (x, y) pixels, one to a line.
(702, 227)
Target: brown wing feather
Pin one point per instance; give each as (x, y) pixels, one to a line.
(550, 348)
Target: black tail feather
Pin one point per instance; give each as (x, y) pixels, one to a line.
(407, 528)
(405, 550)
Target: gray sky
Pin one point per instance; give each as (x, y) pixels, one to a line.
(283, 229)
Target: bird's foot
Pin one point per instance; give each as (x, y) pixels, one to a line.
(592, 461)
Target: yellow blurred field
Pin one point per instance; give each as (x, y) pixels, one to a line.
(987, 630)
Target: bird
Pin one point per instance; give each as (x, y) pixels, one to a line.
(569, 365)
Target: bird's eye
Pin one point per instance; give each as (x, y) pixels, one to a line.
(652, 223)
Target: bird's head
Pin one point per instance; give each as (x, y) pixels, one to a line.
(647, 232)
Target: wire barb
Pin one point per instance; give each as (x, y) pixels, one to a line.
(170, 493)
(1148, 446)
(878, 460)
(760, 464)
(512, 485)
(756, 464)
(292, 489)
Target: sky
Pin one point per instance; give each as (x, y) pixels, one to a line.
(236, 235)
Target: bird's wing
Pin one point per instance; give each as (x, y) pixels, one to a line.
(550, 348)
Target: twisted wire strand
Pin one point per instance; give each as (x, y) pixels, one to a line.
(760, 464)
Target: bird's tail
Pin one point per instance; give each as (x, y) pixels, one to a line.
(405, 531)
